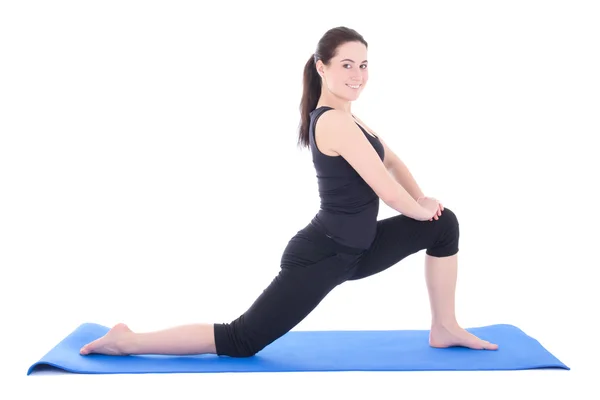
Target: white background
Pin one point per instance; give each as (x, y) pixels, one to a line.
(149, 174)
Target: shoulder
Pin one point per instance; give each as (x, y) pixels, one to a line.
(335, 123)
(334, 129)
(329, 114)
(340, 133)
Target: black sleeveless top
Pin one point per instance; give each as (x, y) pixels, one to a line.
(349, 206)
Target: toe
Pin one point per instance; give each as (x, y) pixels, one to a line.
(90, 347)
(490, 346)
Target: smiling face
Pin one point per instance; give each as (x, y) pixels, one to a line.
(346, 75)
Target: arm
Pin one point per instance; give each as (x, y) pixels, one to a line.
(397, 168)
(344, 137)
(403, 176)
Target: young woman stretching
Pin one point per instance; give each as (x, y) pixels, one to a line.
(344, 241)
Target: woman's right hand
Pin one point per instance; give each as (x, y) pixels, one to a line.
(431, 205)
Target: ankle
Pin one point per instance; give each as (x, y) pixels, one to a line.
(128, 343)
(444, 323)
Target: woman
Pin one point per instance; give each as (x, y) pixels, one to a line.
(344, 241)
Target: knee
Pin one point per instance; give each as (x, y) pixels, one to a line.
(447, 236)
(449, 219)
(234, 340)
(449, 227)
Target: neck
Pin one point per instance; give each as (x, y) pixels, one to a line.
(329, 100)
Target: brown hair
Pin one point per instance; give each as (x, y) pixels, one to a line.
(326, 50)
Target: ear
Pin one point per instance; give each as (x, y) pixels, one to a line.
(319, 66)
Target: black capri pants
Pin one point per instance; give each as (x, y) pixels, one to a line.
(313, 264)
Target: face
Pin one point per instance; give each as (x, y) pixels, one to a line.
(347, 72)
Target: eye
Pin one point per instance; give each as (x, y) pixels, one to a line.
(363, 66)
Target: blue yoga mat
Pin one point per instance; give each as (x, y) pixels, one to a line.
(401, 350)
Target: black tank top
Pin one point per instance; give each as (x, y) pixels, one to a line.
(349, 206)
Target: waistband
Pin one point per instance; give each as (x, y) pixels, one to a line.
(318, 235)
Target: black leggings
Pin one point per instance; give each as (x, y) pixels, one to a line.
(314, 264)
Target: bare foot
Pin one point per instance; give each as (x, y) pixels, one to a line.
(109, 344)
(442, 337)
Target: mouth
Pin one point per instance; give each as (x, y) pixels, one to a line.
(353, 86)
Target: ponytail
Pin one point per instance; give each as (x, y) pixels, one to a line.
(310, 96)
